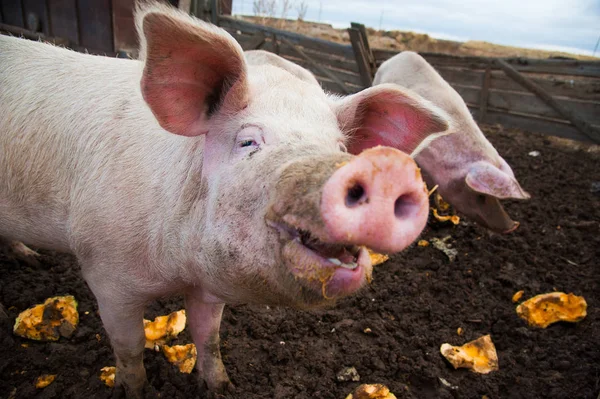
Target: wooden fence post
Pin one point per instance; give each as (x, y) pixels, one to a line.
(365, 41)
(276, 49)
(543, 95)
(485, 93)
(215, 11)
(361, 56)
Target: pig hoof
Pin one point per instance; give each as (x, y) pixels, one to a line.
(25, 254)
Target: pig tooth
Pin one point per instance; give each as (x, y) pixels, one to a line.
(351, 265)
(335, 261)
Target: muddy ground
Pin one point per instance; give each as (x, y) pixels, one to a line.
(415, 303)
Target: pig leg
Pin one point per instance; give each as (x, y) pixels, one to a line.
(123, 321)
(25, 254)
(21, 252)
(205, 320)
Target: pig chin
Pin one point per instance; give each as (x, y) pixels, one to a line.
(329, 271)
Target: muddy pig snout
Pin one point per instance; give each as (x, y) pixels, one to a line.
(377, 199)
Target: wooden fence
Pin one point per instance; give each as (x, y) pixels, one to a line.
(557, 96)
(567, 103)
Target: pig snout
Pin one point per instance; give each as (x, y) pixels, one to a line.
(329, 209)
(378, 199)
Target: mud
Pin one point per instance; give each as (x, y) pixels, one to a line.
(392, 331)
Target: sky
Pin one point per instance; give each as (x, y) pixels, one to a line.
(565, 25)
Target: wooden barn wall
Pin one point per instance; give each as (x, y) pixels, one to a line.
(85, 24)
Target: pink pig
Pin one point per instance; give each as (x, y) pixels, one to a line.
(194, 171)
(470, 173)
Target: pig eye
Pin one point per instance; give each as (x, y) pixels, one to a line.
(248, 143)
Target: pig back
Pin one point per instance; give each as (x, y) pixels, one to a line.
(78, 146)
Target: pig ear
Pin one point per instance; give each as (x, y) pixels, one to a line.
(386, 115)
(485, 178)
(192, 69)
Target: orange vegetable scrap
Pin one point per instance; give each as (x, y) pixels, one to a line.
(453, 218)
(44, 380)
(441, 204)
(56, 317)
(377, 259)
(182, 356)
(518, 295)
(163, 329)
(545, 309)
(423, 243)
(478, 355)
(371, 391)
(107, 375)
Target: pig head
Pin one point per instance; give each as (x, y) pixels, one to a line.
(194, 171)
(470, 173)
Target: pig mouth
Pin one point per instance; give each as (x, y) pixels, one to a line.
(333, 269)
(345, 256)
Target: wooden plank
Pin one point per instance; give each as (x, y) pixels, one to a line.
(344, 76)
(469, 94)
(569, 114)
(462, 76)
(362, 60)
(124, 34)
(325, 46)
(16, 31)
(12, 13)
(255, 41)
(582, 88)
(95, 24)
(558, 67)
(321, 58)
(483, 98)
(533, 124)
(316, 66)
(36, 10)
(63, 20)
(529, 103)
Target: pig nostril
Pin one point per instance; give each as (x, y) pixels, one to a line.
(404, 206)
(355, 196)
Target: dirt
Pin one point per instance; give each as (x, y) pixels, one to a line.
(416, 302)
